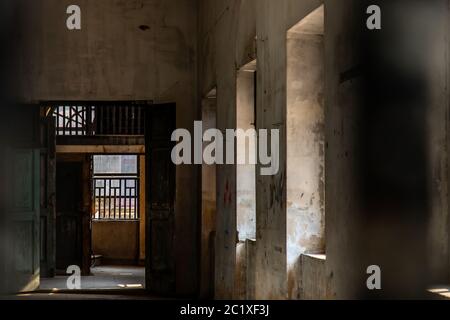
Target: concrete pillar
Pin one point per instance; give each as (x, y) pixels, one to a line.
(209, 203)
(270, 259)
(272, 22)
(225, 43)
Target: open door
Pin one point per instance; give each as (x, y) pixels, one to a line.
(69, 200)
(48, 198)
(21, 168)
(160, 198)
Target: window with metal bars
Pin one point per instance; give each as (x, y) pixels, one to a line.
(99, 118)
(116, 187)
(74, 120)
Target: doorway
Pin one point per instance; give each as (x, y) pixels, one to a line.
(114, 211)
(69, 215)
(116, 219)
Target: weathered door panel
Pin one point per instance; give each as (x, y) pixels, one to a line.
(69, 212)
(48, 198)
(160, 189)
(19, 254)
(23, 220)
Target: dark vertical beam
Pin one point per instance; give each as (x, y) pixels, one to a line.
(120, 110)
(86, 215)
(114, 120)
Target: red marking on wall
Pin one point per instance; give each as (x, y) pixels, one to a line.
(227, 194)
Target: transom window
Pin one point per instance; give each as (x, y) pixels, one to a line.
(99, 118)
(74, 120)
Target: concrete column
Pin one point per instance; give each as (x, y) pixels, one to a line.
(226, 174)
(273, 21)
(270, 259)
(209, 204)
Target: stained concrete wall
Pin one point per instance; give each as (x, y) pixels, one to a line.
(246, 151)
(126, 50)
(305, 147)
(116, 241)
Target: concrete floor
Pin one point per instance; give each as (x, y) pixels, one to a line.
(104, 283)
(102, 277)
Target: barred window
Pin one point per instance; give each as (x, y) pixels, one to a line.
(116, 187)
(74, 120)
(99, 118)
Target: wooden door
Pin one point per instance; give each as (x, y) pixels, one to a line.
(160, 195)
(69, 214)
(48, 198)
(20, 186)
(23, 222)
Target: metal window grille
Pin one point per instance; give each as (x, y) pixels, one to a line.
(100, 118)
(116, 197)
(74, 120)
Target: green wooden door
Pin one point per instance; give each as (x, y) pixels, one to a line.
(23, 221)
